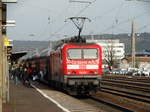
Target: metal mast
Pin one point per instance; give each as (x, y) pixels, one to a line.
(133, 44)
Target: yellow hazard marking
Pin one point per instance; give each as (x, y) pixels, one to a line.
(6, 41)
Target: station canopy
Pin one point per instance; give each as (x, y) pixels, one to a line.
(16, 55)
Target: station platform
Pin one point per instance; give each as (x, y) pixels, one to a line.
(23, 99)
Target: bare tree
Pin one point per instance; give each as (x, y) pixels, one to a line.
(109, 54)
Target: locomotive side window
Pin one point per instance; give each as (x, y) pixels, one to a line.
(74, 53)
(90, 53)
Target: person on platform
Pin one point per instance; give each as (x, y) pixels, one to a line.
(16, 74)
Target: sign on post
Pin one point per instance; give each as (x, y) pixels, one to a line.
(10, 23)
(9, 1)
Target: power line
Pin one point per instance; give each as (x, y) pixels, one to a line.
(64, 25)
(58, 30)
(84, 8)
(107, 12)
(80, 1)
(125, 21)
(143, 27)
(116, 19)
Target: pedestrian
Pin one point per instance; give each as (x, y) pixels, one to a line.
(35, 74)
(21, 72)
(30, 71)
(12, 69)
(16, 74)
(26, 76)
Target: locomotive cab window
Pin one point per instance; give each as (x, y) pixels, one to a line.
(90, 53)
(86, 53)
(74, 54)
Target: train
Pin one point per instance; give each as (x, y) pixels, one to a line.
(73, 67)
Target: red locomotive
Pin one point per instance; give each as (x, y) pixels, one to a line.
(75, 67)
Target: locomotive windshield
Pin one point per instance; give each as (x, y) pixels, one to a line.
(74, 53)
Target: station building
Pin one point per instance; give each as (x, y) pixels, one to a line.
(142, 61)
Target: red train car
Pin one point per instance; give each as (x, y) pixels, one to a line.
(76, 67)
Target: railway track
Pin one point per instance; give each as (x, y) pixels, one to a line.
(124, 93)
(122, 103)
(127, 85)
(143, 97)
(112, 102)
(127, 78)
(138, 84)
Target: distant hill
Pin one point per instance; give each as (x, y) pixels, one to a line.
(28, 45)
(142, 42)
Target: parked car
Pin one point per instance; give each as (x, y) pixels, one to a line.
(146, 73)
(106, 71)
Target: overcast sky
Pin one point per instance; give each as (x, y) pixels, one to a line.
(44, 19)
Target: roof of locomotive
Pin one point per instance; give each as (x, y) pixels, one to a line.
(92, 43)
(79, 44)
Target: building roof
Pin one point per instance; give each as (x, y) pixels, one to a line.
(16, 55)
(141, 59)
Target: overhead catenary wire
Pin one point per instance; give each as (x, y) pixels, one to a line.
(125, 21)
(22, 3)
(53, 21)
(143, 27)
(108, 12)
(80, 1)
(65, 24)
(116, 22)
(82, 10)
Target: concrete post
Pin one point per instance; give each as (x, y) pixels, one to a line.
(1, 56)
(133, 45)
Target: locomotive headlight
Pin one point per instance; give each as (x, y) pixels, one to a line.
(69, 72)
(96, 72)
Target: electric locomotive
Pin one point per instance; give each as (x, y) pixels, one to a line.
(76, 67)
